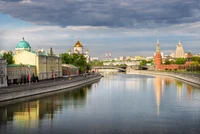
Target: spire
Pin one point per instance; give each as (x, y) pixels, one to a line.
(179, 43)
(158, 46)
(23, 38)
(158, 41)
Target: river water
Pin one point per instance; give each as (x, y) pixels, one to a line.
(118, 103)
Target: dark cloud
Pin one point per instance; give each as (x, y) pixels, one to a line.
(111, 13)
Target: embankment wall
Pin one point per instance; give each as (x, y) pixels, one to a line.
(20, 92)
(189, 77)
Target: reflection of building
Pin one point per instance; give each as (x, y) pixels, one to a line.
(179, 51)
(3, 73)
(48, 64)
(179, 87)
(189, 92)
(158, 92)
(78, 49)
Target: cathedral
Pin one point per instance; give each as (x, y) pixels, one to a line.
(78, 49)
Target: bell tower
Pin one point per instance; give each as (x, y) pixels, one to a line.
(158, 57)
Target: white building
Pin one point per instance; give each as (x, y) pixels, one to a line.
(78, 49)
(179, 51)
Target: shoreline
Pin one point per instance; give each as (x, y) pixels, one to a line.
(16, 92)
(186, 77)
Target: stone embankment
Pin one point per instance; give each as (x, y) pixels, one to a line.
(19, 91)
(188, 77)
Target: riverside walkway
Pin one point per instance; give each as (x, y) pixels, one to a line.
(45, 83)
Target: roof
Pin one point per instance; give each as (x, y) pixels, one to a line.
(69, 65)
(78, 44)
(19, 65)
(23, 44)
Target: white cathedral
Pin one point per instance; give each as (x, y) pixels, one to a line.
(78, 49)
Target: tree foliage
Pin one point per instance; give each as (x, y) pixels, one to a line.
(77, 60)
(143, 63)
(9, 57)
(96, 63)
(180, 61)
(196, 59)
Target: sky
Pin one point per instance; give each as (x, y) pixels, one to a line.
(119, 27)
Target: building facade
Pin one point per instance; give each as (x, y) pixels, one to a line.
(179, 51)
(3, 73)
(48, 64)
(20, 73)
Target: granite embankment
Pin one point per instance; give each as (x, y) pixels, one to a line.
(188, 77)
(19, 91)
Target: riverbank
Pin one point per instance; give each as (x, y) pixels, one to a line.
(19, 91)
(188, 77)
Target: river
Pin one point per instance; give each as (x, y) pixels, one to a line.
(118, 103)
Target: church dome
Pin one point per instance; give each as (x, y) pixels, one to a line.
(78, 44)
(23, 44)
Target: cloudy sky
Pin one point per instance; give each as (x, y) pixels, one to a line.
(122, 27)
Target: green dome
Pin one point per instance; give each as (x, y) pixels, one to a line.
(23, 44)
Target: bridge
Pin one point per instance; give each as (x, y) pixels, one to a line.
(122, 69)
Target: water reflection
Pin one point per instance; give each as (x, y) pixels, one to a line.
(119, 103)
(158, 92)
(27, 114)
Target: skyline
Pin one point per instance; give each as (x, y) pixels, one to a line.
(122, 27)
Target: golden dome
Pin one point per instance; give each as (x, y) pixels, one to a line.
(87, 50)
(69, 50)
(78, 44)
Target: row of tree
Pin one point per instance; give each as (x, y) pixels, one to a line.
(77, 60)
(195, 61)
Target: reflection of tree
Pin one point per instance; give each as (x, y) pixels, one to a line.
(179, 86)
(167, 81)
(3, 116)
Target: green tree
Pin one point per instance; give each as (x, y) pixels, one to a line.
(9, 57)
(143, 63)
(180, 61)
(167, 62)
(196, 58)
(77, 60)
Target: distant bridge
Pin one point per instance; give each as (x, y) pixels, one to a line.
(123, 69)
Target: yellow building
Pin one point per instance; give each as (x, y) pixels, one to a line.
(48, 64)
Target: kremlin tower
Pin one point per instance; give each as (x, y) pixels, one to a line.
(158, 57)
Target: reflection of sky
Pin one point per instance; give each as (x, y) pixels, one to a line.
(117, 103)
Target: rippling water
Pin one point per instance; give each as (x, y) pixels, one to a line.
(118, 103)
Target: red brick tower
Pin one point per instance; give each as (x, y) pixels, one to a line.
(158, 57)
